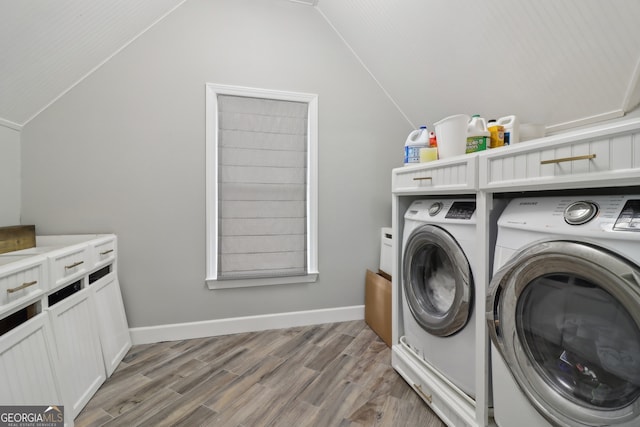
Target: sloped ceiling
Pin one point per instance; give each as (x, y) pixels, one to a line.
(562, 63)
(46, 47)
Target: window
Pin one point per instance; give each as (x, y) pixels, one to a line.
(262, 180)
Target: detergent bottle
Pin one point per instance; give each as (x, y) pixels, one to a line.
(497, 134)
(511, 129)
(478, 136)
(416, 140)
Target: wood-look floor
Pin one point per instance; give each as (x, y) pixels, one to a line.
(329, 375)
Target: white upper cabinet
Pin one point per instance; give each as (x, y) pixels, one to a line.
(607, 155)
(455, 175)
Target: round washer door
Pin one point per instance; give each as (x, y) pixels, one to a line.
(565, 316)
(437, 281)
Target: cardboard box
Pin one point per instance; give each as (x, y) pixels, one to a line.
(377, 305)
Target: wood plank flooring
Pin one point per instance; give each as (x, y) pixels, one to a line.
(328, 375)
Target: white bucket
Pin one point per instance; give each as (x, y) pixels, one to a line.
(452, 135)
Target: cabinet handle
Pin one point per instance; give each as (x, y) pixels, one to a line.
(568, 159)
(422, 178)
(21, 287)
(75, 264)
(106, 252)
(425, 396)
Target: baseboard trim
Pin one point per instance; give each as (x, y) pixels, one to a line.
(236, 325)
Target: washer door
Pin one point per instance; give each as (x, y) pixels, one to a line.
(437, 281)
(565, 317)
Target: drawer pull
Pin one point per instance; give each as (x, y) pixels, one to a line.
(422, 178)
(75, 264)
(106, 252)
(568, 159)
(425, 396)
(21, 287)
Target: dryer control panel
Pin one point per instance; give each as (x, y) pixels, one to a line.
(629, 218)
(461, 210)
(437, 211)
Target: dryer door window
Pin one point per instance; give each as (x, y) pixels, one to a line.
(566, 319)
(437, 281)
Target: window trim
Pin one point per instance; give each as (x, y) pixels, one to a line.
(211, 160)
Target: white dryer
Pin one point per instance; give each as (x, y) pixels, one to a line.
(563, 311)
(438, 246)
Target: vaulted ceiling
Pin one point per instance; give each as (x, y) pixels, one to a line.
(47, 47)
(562, 63)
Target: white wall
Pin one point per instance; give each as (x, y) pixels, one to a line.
(123, 152)
(9, 176)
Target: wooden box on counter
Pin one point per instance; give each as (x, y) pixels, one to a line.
(17, 237)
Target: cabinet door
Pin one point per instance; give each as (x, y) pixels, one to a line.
(28, 368)
(76, 339)
(112, 321)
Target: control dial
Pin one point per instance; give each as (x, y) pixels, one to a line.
(435, 208)
(578, 213)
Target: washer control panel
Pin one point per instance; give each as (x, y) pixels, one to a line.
(435, 208)
(444, 210)
(461, 210)
(581, 212)
(629, 218)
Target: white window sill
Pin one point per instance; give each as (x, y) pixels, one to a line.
(265, 281)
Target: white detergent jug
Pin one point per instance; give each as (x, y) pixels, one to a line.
(478, 135)
(511, 129)
(416, 140)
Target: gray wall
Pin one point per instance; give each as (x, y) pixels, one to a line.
(123, 152)
(9, 176)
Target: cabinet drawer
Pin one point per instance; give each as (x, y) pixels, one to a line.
(21, 280)
(103, 251)
(68, 264)
(599, 157)
(457, 175)
(453, 407)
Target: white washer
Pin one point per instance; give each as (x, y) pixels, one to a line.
(437, 287)
(563, 311)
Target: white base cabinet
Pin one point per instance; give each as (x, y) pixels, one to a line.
(28, 366)
(78, 348)
(112, 322)
(75, 332)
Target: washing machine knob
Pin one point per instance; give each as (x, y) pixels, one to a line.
(435, 208)
(580, 212)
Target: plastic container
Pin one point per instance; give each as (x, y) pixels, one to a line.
(433, 141)
(452, 135)
(416, 140)
(386, 253)
(530, 131)
(478, 136)
(428, 154)
(511, 129)
(497, 134)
